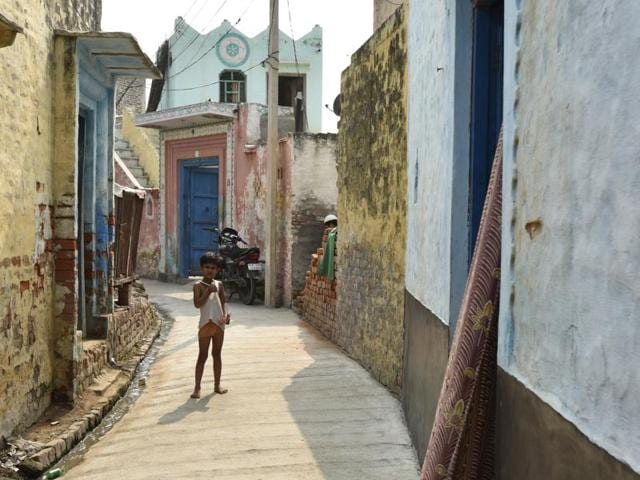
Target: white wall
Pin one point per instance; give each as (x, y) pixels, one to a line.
(569, 327)
(438, 150)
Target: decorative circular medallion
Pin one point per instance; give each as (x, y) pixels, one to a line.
(233, 50)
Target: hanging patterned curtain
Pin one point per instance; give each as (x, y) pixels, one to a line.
(462, 441)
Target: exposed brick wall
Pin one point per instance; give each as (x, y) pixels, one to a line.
(129, 325)
(92, 361)
(317, 303)
(28, 205)
(372, 186)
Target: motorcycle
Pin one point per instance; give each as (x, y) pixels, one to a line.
(243, 270)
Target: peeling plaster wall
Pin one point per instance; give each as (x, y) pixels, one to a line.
(314, 195)
(569, 328)
(250, 174)
(145, 143)
(27, 132)
(372, 186)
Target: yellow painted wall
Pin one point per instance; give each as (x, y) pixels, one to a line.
(145, 142)
(26, 204)
(372, 184)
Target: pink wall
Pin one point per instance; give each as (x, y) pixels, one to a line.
(250, 180)
(177, 151)
(149, 243)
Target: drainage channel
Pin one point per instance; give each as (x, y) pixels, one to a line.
(122, 406)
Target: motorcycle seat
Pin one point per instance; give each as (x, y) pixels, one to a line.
(241, 252)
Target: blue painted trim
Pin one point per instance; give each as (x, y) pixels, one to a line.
(184, 240)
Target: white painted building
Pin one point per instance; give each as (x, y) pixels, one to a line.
(227, 66)
(564, 79)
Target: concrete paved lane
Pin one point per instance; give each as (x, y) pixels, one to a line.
(297, 408)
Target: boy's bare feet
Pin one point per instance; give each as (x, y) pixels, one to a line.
(196, 393)
(220, 390)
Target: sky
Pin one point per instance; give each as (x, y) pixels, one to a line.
(346, 24)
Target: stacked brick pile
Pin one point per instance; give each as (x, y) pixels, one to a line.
(92, 361)
(317, 303)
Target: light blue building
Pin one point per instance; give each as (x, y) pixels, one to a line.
(226, 66)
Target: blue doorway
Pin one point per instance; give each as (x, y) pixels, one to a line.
(486, 105)
(198, 210)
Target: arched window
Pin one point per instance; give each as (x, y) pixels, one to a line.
(233, 87)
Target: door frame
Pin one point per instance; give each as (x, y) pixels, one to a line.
(183, 237)
(487, 94)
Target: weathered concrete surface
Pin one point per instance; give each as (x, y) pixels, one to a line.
(297, 409)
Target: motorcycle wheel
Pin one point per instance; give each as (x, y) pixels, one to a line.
(248, 291)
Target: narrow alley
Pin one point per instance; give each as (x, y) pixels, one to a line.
(297, 408)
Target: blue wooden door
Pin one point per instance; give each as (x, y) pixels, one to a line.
(200, 183)
(487, 92)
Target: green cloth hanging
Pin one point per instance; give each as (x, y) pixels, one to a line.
(327, 265)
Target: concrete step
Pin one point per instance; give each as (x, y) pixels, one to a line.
(134, 166)
(137, 171)
(131, 162)
(120, 143)
(126, 153)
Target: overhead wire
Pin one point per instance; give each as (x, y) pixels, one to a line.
(198, 35)
(184, 21)
(295, 56)
(216, 82)
(187, 67)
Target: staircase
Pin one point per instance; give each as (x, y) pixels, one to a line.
(129, 157)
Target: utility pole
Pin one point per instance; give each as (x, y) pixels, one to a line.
(274, 153)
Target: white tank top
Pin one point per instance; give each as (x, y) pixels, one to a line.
(212, 309)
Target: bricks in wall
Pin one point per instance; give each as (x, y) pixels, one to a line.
(372, 186)
(317, 302)
(31, 288)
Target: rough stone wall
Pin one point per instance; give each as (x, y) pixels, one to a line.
(372, 203)
(27, 204)
(317, 302)
(131, 95)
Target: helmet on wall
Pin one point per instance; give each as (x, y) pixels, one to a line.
(330, 218)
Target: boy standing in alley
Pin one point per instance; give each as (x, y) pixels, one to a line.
(208, 296)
